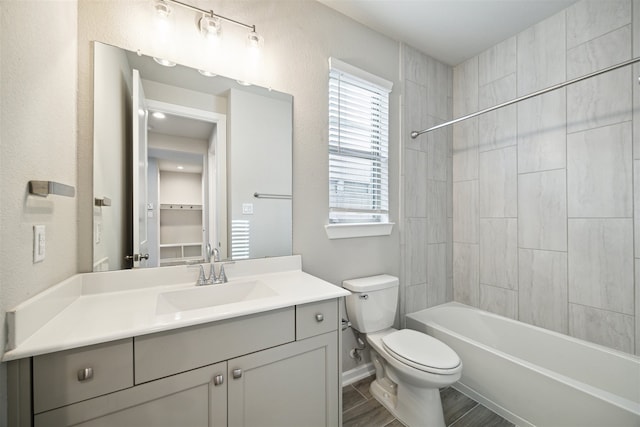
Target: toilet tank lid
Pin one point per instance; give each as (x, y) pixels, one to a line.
(373, 283)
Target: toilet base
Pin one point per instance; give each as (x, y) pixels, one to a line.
(413, 406)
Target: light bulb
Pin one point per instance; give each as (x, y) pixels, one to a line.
(254, 40)
(207, 73)
(162, 8)
(158, 115)
(210, 27)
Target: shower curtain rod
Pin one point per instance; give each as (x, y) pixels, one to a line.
(415, 133)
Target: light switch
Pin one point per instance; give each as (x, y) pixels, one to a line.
(38, 243)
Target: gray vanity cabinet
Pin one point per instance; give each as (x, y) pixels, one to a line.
(290, 385)
(189, 399)
(276, 368)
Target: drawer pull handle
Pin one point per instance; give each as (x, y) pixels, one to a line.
(85, 374)
(319, 317)
(218, 380)
(237, 373)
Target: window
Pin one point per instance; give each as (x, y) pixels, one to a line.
(358, 146)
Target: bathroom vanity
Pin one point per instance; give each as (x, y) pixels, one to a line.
(262, 349)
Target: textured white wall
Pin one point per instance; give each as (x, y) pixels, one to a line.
(38, 141)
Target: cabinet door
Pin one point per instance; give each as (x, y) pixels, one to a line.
(188, 399)
(291, 385)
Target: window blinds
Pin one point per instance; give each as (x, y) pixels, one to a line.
(358, 145)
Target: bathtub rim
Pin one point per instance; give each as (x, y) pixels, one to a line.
(613, 351)
(611, 398)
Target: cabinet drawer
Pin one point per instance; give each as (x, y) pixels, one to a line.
(167, 353)
(316, 318)
(74, 375)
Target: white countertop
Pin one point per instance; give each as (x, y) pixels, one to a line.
(98, 307)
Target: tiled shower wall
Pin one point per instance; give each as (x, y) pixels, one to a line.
(543, 191)
(426, 245)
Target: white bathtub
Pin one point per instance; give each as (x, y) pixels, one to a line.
(532, 376)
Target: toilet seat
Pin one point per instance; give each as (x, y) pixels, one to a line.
(421, 351)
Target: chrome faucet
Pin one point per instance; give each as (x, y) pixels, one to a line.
(222, 276)
(202, 279)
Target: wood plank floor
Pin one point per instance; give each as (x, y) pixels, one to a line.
(360, 409)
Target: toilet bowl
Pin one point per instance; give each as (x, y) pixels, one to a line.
(410, 365)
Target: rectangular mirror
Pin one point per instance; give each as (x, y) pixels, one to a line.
(186, 163)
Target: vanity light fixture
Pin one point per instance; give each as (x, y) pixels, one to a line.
(210, 25)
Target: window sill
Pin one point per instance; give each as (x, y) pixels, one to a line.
(348, 231)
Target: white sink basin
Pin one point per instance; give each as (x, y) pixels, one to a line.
(212, 296)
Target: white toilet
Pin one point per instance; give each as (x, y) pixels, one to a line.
(410, 366)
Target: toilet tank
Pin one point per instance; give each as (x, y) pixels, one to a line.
(372, 305)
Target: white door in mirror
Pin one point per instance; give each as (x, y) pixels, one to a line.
(38, 243)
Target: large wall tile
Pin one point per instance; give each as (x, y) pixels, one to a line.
(415, 187)
(415, 110)
(465, 87)
(415, 251)
(541, 55)
(497, 128)
(599, 101)
(436, 274)
(636, 206)
(416, 298)
(438, 147)
(499, 252)
(499, 301)
(542, 132)
(465, 274)
(465, 212)
(438, 82)
(498, 183)
(588, 19)
(601, 263)
(599, 172)
(636, 28)
(542, 288)
(497, 61)
(637, 314)
(465, 150)
(436, 211)
(605, 51)
(542, 210)
(602, 327)
(636, 108)
(414, 65)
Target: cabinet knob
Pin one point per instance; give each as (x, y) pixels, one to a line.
(319, 317)
(85, 374)
(218, 380)
(237, 373)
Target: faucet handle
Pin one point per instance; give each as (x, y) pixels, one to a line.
(222, 276)
(202, 279)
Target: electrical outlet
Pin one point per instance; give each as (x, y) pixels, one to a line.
(39, 240)
(247, 208)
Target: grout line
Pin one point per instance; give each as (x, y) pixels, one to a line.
(463, 415)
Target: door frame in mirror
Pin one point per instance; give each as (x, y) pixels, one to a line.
(215, 200)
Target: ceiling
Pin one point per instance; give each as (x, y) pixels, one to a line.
(449, 30)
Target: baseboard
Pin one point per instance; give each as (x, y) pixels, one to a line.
(356, 374)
